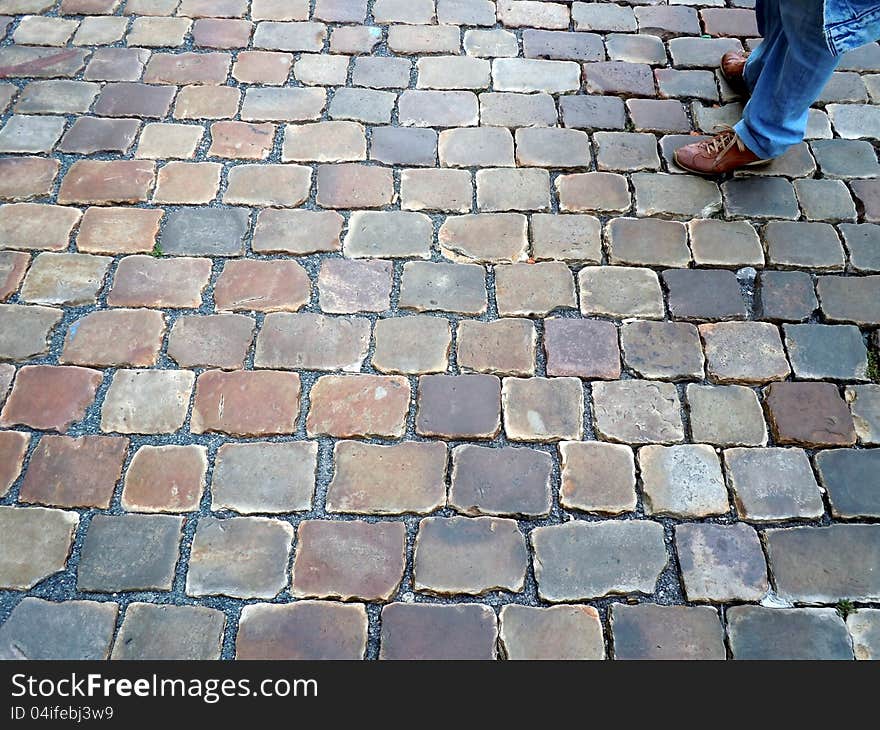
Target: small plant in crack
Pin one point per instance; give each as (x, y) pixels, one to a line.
(845, 608)
(873, 366)
(157, 251)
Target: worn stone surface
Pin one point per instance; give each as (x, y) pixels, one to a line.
(756, 632)
(852, 480)
(682, 481)
(649, 631)
(558, 632)
(50, 398)
(181, 633)
(147, 401)
(36, 543)
(165, 479)
(726, 415)
(426, 631)
(809, 414)
(662, 350)
(864, 403)
(542, 409)
(466, 406)
(359, 405)
(744, 352)
(597, 477)
(637, 412)
(864, 628)
(581, 348)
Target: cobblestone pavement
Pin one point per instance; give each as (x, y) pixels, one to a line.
(388, 329)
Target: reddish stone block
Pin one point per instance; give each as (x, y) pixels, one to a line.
(115, 338)
(13, 447)
(102, 182)
(215, 340)
(165, 479)
(809, 414)
(221, 33)
(23, 178)
(50, 398)
(74, 472)
(13, 264)
(187, 68)
(347, 406)
(262, 286)
(241, 140)
(142, 281)
(118, 230)
(33, 226)
(584, 348)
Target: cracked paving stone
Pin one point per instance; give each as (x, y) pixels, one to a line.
(649, 631)
(304, 630)
(25, 331)
(165, 479)
(503, 346)
(48, 630)
(246, 403)
(323, 567)
(254, 478)
(637, 412)
(864, 403)
(459, 406)
(431, 631)
(683, 481)
(809, 414)
(35, 544)
(543, 409)
(349, 406)
(374, 479)
(826, 352)
(852, 481)
(412, 345)
(129, 553)
(500, 481)
(756, 632)
(115, 338)
(726, 415)
(744, 352)
(486, 237)
(661, 350)
(310, 341)
(597, 477)
(13, 447)
(262, 286)
(581, 348)
(721, 563)
(166, 632)
(628, 558)
(147, 401)
(558, 632)
(50, 398)
(469, 555)
(240, 557)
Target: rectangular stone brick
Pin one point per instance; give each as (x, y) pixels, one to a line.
(50, 398)
(463, 406)
(35, 544)
(33, 226)
(430, 631)
(349, 406)
(102, 182)
(307, 341)
(143, 281)
(262, 286)
(115, 338)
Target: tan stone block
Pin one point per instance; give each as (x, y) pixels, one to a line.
(165, 479)
(347, 406)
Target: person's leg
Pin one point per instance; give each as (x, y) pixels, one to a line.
(770, 25)
(792, 73)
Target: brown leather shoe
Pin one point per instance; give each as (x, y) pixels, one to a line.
(733, 64)
(723, 153)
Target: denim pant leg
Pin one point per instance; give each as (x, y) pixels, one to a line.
(794, 69)
(770, 23)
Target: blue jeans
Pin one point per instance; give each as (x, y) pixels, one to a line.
(786, 74)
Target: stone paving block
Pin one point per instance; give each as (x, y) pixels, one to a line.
(744, 352)
(597, 477)
(640, 48)
(487, 237)
(825, 200)
(66, 630)
(165, 479)
(476, 147)
(262, 67)
(163, 141)
(246, 403)
(335, 141)
(603, 17)
(204, 231)
(683, 481)
(637, 412)
(826, 352)
(416, 39)
(375, 479)
(560, 45)
(297, 232)
(13, 447)
(427, 286)
(310, 341)
(158, 32)
(502, 346)
(812, 246)
(354, 39)
(558, 632)
(50, 398)
(676, 83)
(507, 109)
(700, 52)
(662, 350)
(323, 568)
(850, 299)
(35, 544)
(675, 195)
(669, 21)
(346, 287)
(24, 178)
(786, 295)
(434, 108)
(721, 563)
(726, 415)
(867, 193)
(348, 406)
(725, 243)
(651, 242)
(658, 115)
(32, 134)
(581, 348)
(264, 477)
(447, 72)
(186, 68)
(35, 226)
(241, 557)
(263, 286)
(431, 631)
(129, 553)
(268, 185)
(796, 162)
(283, 105)
(845, 158)
(620, 291)
(773, 484)
(463, 406)
(217, 340)
(626, 151)
(167, 632)
(57, 96)
(755, 197)
(592, 112)
(306, 630)
(619, 78)
(132, 100)
(404, 146)
(593, 191)
(107, 181)
(391, 234)
(756, 632)
(500, 481)
(809, 414)
(517, 13)
(864, 402)
(531, 75)
(864, 628)
(44, 62)
(118, 230)
(25, 331)
(116, 337)
(147, 401)
(503, 189)
(566, 237)
(543, 409)
(469, 555)
(704, 294)
(628, 558)
(363, 105)
(66, 279)
(852, 480)
(411, 345)
(436, 189)
(863, 243)
(549, 147)
(534, 289)
(649, 631)
(353, 186)
(242, 140)
(207, 102)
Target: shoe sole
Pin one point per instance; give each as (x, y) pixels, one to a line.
(707, 173)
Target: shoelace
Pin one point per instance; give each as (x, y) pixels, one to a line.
(723, 142)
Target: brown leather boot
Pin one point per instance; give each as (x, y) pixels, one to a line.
(723, 153)
(733, 64)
